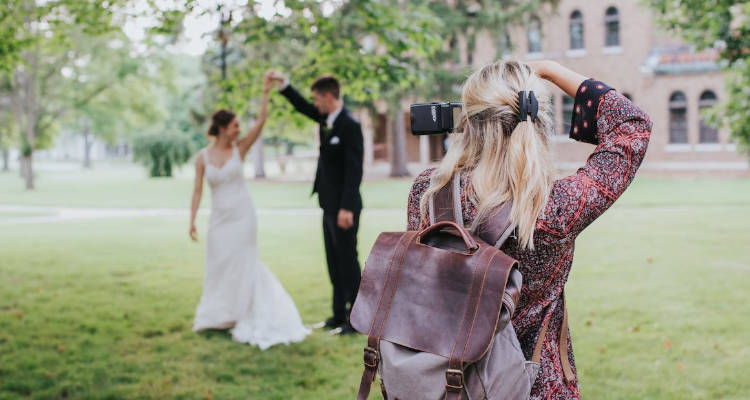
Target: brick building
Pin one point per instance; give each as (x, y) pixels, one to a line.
(617, 42)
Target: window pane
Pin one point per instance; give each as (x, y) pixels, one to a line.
(678, 125)
(612, 27)
(576, 36)
(613, 33)
(576, 30)
(535, 36)
(707, 134)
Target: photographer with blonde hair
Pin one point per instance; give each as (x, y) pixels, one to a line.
(500, 158)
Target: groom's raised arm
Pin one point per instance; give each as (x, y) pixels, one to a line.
(299, 103)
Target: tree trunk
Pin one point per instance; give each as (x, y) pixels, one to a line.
(27, 171)
(6, 160)
(257, 156)
(88, 142)
(398, 142)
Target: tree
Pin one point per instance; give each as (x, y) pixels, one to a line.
(7, 133)
(161, 152)
(381, 51)
(110, 90)
(38, 39)
(386, 50)
(375, 48)
(724, 25)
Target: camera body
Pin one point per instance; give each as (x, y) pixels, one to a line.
(434, 118)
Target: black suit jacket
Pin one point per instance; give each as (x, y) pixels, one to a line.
(339, 170)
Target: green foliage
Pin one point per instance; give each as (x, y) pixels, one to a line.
(160, 153)
(20, 28)
(725, 25)
(735, 110)
(370, 46)
(105, 311)
(109, 90)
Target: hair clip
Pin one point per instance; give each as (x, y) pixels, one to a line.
(527, 106)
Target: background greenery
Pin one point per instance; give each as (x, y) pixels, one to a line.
(103, 309)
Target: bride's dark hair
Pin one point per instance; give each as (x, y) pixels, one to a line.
(220, 119)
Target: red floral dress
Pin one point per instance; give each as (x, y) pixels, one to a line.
(620, 130)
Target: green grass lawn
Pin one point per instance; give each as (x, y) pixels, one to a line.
(127, 186)
(103, 309)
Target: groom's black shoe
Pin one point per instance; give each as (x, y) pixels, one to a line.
(345, 329)
(330, 323)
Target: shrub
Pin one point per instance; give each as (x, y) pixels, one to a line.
(162, 152)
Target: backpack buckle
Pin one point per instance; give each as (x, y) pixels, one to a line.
(454, 380)
(371, 357)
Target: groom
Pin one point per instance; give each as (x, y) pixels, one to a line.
(337, 182)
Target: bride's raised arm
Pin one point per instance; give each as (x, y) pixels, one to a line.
(247, 141)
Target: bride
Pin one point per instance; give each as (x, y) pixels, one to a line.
(239, 292)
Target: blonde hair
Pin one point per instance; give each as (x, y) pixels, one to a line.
(508, 160)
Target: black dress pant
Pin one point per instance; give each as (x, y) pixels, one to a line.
(343, 266)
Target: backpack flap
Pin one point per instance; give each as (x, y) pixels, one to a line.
(410, 290)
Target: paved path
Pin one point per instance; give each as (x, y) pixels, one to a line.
(62, 213)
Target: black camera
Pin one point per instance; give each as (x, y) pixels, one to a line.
(434, 118)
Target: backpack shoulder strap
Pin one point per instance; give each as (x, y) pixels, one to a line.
(497, 227)
(445, 205)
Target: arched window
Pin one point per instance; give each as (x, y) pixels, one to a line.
(708, 134)
(678, 118)
(567, 113)
(576, 30)
(612, 27)
(535, 35)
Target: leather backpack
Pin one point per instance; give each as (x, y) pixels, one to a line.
(436, 307)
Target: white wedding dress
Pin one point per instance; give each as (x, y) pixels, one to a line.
(239, 291)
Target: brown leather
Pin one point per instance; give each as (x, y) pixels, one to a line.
(444, 204)
(563, 347)
(393, 254)
(469, 242)
(537, 355)
(492, 230)
(434, 292)
(454, 375)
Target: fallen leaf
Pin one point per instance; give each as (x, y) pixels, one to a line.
(19, 314)
(592, 314)
(649, 260)
(60, 348)
(49, 374)
(635, 329)
(679, 366)
(667, 344)
(209, 395)
(602, 349)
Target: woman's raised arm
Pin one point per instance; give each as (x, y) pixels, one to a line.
(247, 141)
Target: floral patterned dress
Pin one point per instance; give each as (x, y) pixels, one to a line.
(621, 131)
